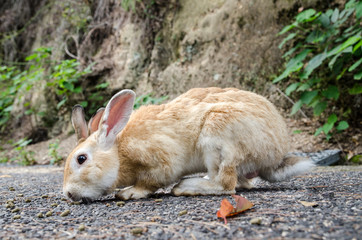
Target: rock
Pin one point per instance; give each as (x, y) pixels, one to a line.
(65, 213)
(183, 212)
(256, 221)
(137, 230)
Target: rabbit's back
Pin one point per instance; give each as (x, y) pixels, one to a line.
(238, 122)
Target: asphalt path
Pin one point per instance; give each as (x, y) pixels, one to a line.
(32, 206)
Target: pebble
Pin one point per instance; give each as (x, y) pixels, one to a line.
(256, 221)
(17, 217)
(65, 213)
(137, 230)
(81, 227)
(159, 200)
(27, 200)
(40, 215)
(49, 213)
(120, 203)
(10, 205)
(183, 212)
(11, 189)
(15, 210)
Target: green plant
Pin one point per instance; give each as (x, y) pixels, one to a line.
(24, 156)
(63, 79)
(53, 153)
(324, 64)
(148, 99)
(3, 158)
(14, 83)
(142, 8)
(129, 5)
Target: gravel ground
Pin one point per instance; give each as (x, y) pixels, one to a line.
(336, 192)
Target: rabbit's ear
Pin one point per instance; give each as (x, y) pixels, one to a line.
(93, 123)
(78, 122)
(115, 117)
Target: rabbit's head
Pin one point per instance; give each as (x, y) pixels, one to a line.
(92, 168)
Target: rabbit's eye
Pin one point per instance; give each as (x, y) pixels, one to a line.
(81, 159)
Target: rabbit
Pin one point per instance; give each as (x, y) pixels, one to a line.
(231, 134)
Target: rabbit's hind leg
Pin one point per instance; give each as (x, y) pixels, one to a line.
(222, 178)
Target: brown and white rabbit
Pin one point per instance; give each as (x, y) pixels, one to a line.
(231, 134)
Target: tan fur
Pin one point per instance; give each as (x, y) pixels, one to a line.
(227, 132)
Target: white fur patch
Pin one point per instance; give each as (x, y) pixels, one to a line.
(290, 171)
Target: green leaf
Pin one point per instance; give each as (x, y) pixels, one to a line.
(313, 81)
(332, 118)
(343, 125)
(291, 88)
(356, 89)
(315, 36)
(357, 76)
(289, 37)
(292, 50)
(29, 111)
(41, 114)
(61, 103)
(305, 15)
(331, 63)
(331, 92)
(315, 62)
(324, 20)
(350, 4)
(303, 87)
(355, 65)
(355, 48)
(350, 41)
(307, 97)
(31, 57)
(335, 15)
(341, 74)
(287, 28)
(327, 127)
(319, 108)
(77, 90)
(84, 103)
(344, 15)
(318, 131)
(297, 131)
(8, 109)
(356, 159)
(296, 107)
(295, 64)
(329, 12)
(359, 10)
(69, 86)
(102, 85)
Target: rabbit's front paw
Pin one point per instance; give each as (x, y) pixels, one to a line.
(133, 193)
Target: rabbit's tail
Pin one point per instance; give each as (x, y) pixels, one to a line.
(291, 166)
